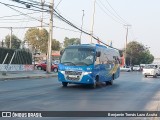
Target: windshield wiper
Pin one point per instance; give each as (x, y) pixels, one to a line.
(68, 63)
(82, 63)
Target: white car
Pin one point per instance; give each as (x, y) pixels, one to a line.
(151, 70)
(136, 68)
(125, 68)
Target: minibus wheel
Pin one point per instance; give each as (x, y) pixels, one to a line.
(95, 82)
(93, 85)
(111, 81)
(64, 84)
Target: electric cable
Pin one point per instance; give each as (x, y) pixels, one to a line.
(116, 12)
(120, 22)
(23, 13)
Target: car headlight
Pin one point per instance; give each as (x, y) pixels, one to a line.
(86, 73)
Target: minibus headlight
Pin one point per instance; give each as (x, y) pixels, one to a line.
(61, 71)
(86, 73)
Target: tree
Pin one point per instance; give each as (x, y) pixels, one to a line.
(37, 38)
(72, 41)
(146, 57)
(137, 53)
(55, 45)
(15, 42)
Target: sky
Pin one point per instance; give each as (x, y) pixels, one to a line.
(110, 19)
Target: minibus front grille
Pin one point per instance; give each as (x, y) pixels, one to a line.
(73, 73)
(73, 78)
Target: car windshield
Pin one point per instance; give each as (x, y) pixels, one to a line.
(136, 66)
(78, 56)
(150, 66)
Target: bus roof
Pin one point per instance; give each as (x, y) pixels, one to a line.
(90, 45)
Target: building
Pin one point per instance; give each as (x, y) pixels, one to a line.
(43, 56)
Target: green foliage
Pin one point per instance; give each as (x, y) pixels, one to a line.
(137, 53)
(15, 42)
(146, 57)
(55, 45)
(21, 56)
(72, 41)
(38, 38)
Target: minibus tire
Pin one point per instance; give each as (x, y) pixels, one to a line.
(111, 81)
(93, 85)
(64, 84)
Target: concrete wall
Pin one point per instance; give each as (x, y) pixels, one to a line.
(15, 67)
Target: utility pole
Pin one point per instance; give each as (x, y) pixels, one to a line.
(93, 20)
(10, 45)
(49, 53)
(2, 43)
(127, 27)
(81, 26)
(42, 3)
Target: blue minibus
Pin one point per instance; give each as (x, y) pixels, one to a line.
(88, 64)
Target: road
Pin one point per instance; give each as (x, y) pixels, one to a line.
(130, 92)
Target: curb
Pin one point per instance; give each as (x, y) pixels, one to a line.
(30, 77)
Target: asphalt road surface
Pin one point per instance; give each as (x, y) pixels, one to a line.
(130, 92)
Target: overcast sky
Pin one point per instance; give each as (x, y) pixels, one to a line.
(110, 18)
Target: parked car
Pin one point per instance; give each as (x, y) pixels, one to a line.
(136, 68)
(35, 63)
(151, 70)
(56, 62)
(40, 65)
(43, 66)
(125, 68)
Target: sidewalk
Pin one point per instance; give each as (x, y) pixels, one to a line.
(27, 74)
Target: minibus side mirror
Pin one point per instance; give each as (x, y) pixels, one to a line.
(98, 54)
(61, 52)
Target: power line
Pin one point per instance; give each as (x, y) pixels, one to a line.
(34, 19)
(68, 22)
(66, 29)
(96, 38)
(28, 4)
(60, 17)
(21, 7)
(22, 13)
(109, 15)
(116, 12)
(22, 2)
(58, 4)
(39, 26)
(37, 3)
(71, 24)
(20, 27)
(120, 22)
(17, 15)
(20, 19)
